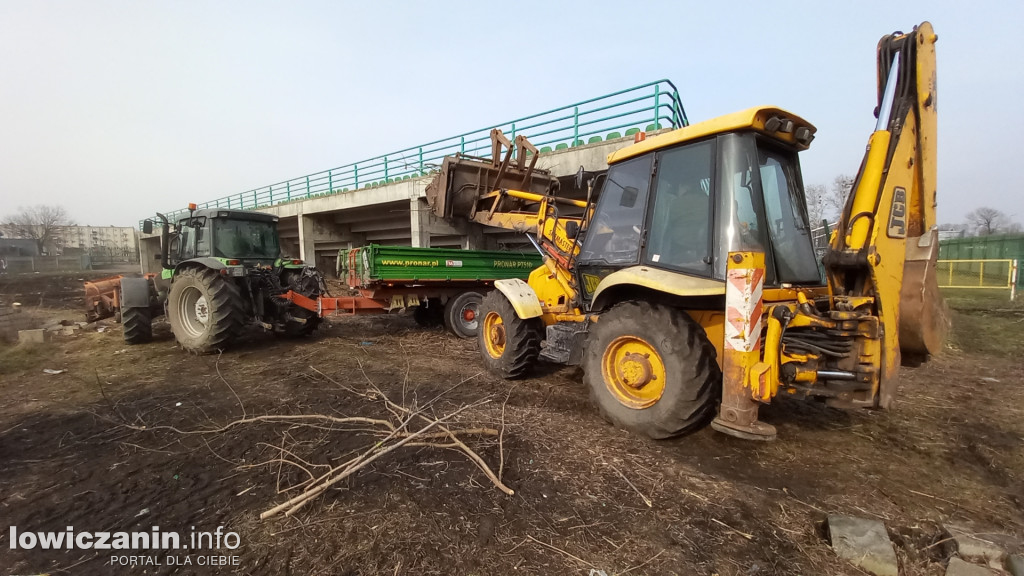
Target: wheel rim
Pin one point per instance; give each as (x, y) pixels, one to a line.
(633, 372)
(494, 334)
(467, 315)
(193, 311)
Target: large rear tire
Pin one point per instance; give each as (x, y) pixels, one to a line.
(205, 310)
(509, 345)
(461, 314)
(651, 369)
(137, 325)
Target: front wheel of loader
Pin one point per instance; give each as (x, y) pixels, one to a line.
(509, 345)
(651, 369)
(137, 325)
(205, 310)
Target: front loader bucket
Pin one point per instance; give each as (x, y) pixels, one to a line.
(924, 318)
(457, 189)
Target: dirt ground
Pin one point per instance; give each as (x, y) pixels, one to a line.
(72, 455)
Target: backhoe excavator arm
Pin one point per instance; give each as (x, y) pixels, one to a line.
(885, 246)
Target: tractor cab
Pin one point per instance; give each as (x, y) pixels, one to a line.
(683, 200)
(246, 238)
(250, 237)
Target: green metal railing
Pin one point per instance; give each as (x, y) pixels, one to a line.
(650, 106)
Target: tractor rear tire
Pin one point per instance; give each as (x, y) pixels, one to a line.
(509, 345)
(137, 325)
(205, 310)
(651, 369)
(461, 314)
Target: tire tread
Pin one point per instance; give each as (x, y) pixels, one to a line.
(691, 411)
(137, 325)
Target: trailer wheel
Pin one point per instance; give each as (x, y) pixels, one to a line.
(205, 310)
(509, 345)
(430, 314)
(652, 370)
(461, 314)
(137, 325)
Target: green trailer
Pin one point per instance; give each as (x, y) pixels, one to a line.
(441, 285)
(375, 264)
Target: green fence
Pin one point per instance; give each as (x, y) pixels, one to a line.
(1001, 247)
(649, 107)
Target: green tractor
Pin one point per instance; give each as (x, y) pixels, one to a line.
(221, 270)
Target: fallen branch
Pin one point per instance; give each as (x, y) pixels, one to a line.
(635, 489)
(385, 435)
(361, 462)
(733, 530)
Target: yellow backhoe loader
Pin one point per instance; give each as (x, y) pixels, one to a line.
(686, 283)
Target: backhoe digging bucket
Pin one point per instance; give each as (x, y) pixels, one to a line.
(458, 190)
(924, 318)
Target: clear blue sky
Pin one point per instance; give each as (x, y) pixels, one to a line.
(118, 109)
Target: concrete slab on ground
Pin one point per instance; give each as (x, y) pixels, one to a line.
(863, 542)
(957, 567)
(32, 336)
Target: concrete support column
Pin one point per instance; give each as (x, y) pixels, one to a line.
(307, 239)
(419, 223)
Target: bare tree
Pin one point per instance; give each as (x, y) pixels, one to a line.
(827, 203)
(835, 201)
(985, 221)
(815, 194)
(40, 223)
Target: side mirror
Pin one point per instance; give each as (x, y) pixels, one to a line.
(629, 196)
(147, 227)
(579, 178)
(572, 229)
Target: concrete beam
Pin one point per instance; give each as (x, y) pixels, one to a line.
(382, 224)
(394, 192)
(419, 223)
(373, 212)
(307, 241)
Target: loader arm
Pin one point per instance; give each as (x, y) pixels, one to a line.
(507, 191)
(885, 245)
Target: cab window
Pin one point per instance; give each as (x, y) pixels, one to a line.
(613, 236)
(188, 236)
(680, 231)
(740, 220)
(795, 260)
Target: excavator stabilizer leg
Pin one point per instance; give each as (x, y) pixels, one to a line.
(742, 370)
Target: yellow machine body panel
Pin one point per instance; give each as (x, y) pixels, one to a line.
(659, 280)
